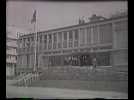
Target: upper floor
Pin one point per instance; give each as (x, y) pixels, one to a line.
(96, 33)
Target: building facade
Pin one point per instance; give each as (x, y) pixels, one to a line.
(11, 56)
(77, 45)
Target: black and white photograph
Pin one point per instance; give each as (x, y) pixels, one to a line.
(66, 49)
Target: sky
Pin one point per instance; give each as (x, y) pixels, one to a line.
(52, 15)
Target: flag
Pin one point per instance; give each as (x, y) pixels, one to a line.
(33, 20)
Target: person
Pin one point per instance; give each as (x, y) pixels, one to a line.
(94, 63)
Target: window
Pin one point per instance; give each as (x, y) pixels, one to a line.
(45, 41)
(65, 35)
(70, 35)
(88, 35)
(103, 59)
(82, 36)
(24, 42)
(55, 40)
(40, 38)
(55, 37)
(70, 39)
(50, 41)
(32, 38)
(76, 34)
(45, 37)
(106, 33)
(95, 35)
(50, 37)
(59, 39)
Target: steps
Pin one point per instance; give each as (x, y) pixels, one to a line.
(85, 73)
(27, 79)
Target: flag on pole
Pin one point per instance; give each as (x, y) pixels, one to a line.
(33, 20)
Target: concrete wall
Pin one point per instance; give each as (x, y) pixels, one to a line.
(120, 57)
(120, 43)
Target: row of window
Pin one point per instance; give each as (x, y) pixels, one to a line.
(87, 35)
(11, 57)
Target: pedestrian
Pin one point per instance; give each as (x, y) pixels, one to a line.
(94, 63)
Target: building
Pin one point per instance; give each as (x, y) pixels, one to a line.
(11, 49)
(11, 55)
(105, 39)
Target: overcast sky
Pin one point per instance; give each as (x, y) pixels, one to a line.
(57, 14)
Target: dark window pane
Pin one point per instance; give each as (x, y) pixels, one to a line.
(70, 35)
(76, 34)
(65, 35)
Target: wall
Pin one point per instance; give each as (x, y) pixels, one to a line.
(120, 43)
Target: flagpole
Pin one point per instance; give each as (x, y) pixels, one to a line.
(35, 61)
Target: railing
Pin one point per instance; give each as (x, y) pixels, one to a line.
(20, 76)
(28, 79)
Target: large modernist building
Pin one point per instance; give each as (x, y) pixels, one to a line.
(105, 39)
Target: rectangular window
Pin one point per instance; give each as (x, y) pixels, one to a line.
(50, 41)
(45, 37)
(45, 41)
(55, 40)
(40, 38)
(24, 42)
(89, 35)
(60, 40)
(65, 35)
(95, 35)
(50, 37)
(70, 35)
(32, 38)
(82, 36)
(106, 33)
(55, 37)
(76, 34)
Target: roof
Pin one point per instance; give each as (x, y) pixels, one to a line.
(94, 22)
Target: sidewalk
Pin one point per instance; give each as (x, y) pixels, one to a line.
(56, 93)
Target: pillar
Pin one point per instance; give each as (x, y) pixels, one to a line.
(92, 35)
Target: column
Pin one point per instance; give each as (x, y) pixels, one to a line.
(92, 35)
(98, 32)
(47, 41)
(57, 40)
(52, 40)
(79, 32)
(113, 55)
(73, 38)
(67, 39)
(85, 38)
(113, 35)
(62, 39)
(42, 42)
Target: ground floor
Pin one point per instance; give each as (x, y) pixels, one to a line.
(103, 58)
(76, 59)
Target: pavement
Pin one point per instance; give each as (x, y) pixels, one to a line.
(59, 93)
(55, 93)
(49, 92)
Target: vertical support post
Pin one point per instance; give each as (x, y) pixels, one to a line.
(35, 46)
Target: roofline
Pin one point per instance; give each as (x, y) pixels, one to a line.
(112, 18)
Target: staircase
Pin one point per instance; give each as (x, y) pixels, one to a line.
(27, 79)
(71, 73)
